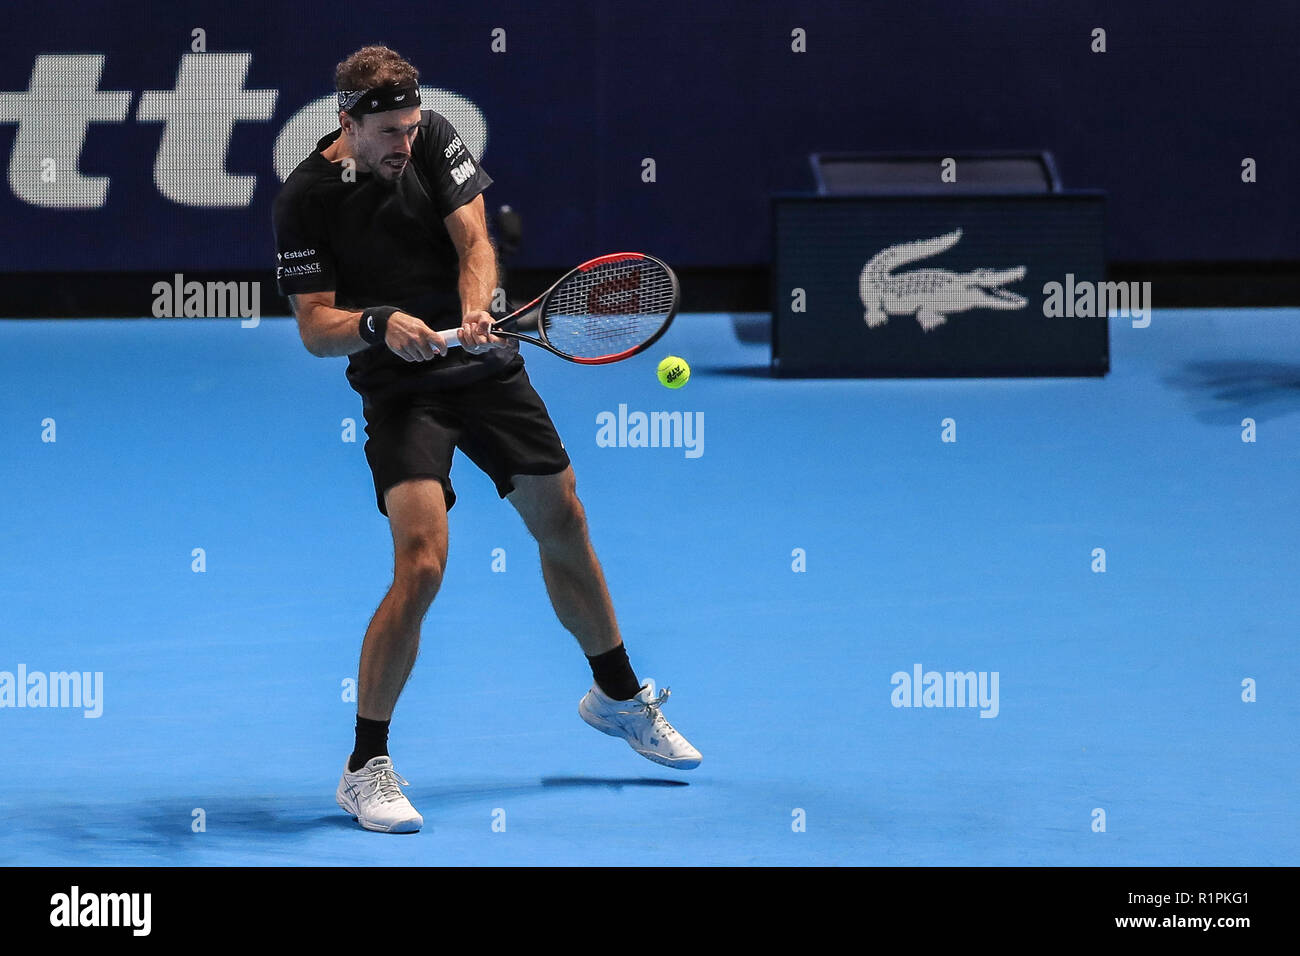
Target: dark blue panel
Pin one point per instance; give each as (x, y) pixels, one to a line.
(713, 93)
(939, 286)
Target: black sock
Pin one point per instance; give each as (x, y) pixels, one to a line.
(372, 741)
(614, 674)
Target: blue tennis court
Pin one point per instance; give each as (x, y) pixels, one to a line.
(223, 717)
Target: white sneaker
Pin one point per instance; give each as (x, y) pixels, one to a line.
(639, 722)
(373, 795)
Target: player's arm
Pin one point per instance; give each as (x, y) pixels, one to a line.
(467, 226)
(327, 331)
(305, 272)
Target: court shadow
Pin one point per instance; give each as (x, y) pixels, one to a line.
(166, 830)
(1225, 392)
(613, 783)
(273, 816)
(451, 795)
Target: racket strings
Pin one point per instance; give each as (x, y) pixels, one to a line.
(609, 309)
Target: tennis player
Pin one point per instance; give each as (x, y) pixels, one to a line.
(380, 236)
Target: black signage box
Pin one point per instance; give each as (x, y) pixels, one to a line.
(938, 286)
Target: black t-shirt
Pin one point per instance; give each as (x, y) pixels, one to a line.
(373, 244)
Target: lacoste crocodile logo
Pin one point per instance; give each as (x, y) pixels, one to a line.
(931, 294)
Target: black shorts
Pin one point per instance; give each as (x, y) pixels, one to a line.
(499, 422)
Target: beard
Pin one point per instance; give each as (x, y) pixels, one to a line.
(385, 175)
(388, 179)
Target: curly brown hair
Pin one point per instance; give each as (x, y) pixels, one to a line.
(373, 66)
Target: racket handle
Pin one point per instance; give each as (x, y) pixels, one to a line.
(451, 337)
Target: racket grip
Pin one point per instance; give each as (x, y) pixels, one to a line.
(451, 337)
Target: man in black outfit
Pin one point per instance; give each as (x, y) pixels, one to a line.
(380, 237)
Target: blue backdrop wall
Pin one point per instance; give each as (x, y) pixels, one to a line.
(585, 91)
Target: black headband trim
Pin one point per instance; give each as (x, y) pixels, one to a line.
(379, 100)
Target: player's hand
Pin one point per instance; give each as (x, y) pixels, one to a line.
(476, 334)
(410, 339)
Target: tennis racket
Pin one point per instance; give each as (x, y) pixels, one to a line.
(602, 311)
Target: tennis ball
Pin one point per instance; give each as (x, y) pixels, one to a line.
(674, 372)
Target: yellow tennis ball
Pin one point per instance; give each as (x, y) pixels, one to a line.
(674, 372)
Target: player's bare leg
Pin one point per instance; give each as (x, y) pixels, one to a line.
(417, 513)
(555, 517)
(370, 788)
(550, 508)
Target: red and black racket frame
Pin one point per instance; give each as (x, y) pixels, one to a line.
(531, 313)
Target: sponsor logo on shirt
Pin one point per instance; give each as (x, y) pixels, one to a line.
(302, 269)
(453, 149)
(463, 172)
(300, 254)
